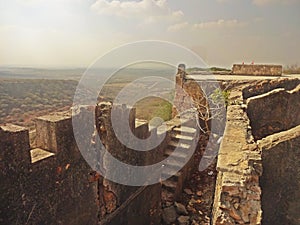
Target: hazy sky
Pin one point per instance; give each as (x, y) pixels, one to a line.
(75, 32)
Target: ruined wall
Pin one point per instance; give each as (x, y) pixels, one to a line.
(122, 204)
(53, 184)
(258, 181)
(275, 111)
(275, 124)
(265, 86)
(14, 169)
(257, 70)
(280, 181)
(49, 184)
(190, 93)
(237, 194)
(185, 90)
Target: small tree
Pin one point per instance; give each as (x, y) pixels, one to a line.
(212, 111)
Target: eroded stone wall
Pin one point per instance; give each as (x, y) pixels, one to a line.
(53, 184)
(49, 184)
(274, 111)
(188, 93)
(122, 204)
(237, 194)
(280, 181)
(264, 86)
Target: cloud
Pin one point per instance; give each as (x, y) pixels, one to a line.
(178, 26)
(149, 10)
(221, 23)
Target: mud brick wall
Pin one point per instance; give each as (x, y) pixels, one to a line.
(257, 70)
(280, 181)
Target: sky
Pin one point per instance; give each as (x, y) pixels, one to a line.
(74, 33)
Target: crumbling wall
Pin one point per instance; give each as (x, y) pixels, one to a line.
(274, 111)
(187, 93)
(264, 86)
(49, 184)
(53, 184)
(197, 94)
(122, 204)
(237, 194)
(14, 169)
(280, 181)
(257, 70)
(275, 124)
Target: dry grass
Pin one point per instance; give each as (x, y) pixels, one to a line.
(153, 107)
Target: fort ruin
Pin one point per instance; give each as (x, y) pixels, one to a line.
(257, 164)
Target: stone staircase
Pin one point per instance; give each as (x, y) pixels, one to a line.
(182, 137)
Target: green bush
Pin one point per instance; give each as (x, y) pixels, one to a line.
(219, 96)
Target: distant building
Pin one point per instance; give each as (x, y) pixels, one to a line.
(257, 70)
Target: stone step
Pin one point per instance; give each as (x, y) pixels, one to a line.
(174, 165)
(184, 130)
(169, 185)
(177, 155)
(172, 177)
(182, 137)
(174, 144)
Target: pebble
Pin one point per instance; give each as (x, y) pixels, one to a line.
(169, 215)
(199, 193)
(180, 208)
(183, 220)
(188, 191)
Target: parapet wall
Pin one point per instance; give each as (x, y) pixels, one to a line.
(257, 70)
(275, 111)
(258, 179)
(237, 194)
(49, 184)
(53, 184)
(280, 181)
(117, 200)
(277, 130)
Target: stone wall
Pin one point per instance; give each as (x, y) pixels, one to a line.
(258, 162)
(190, 93)
(49, 184)
(53, 184)
(187, 91)
(265, 86)
(237, 194)
(257, 70)
(280, 181)
(122, 204)
(275, 124)
(275, 111)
